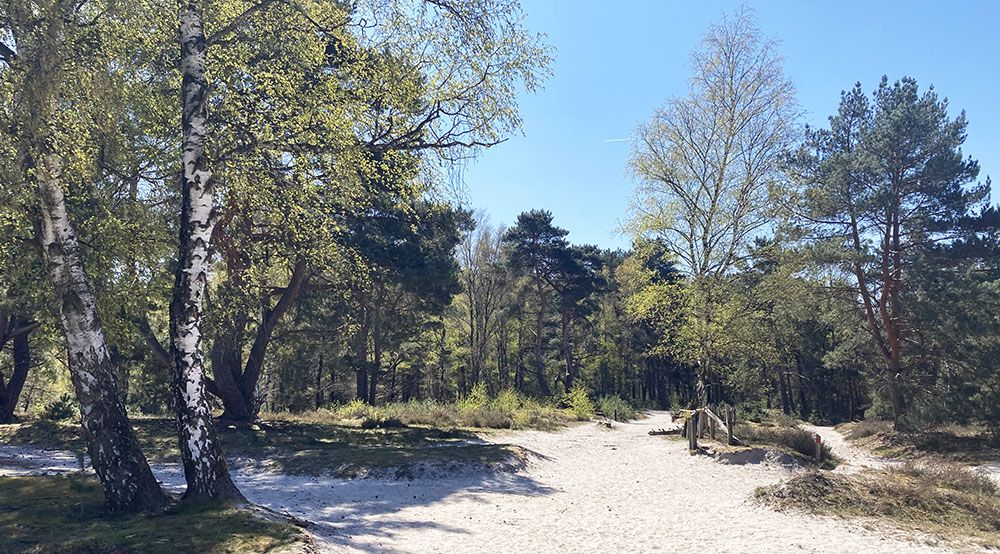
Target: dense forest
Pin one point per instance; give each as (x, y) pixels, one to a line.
(249, 208)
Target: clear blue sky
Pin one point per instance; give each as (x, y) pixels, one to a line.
(616, 62)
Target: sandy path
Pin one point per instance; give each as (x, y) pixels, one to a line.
(853, 457)
(589, 490)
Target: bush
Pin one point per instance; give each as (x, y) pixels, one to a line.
(355, 409)
(62, 409)
(868, 427)
(382, 423)
(578, 404)
(617, 408)
(509, 401)
(475, 400)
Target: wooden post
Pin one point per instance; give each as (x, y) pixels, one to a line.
(711, 423)
(819, 448)
(692, 429)
(729, 425)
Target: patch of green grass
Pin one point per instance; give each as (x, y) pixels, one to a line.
(945, 499)
(67, 515)
(296, 446)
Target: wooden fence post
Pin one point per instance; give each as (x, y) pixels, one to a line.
(729, 425)
(819, 448)
(711, 422)
(692, 429)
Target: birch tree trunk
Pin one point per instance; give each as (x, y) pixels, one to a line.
(114, 452)
(128, 482)
(205, 466)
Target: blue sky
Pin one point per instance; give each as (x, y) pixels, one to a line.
(616, 62)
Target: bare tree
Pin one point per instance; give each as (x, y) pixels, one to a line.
(706, 163)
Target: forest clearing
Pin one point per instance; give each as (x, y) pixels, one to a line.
(616, 489)
(498, 276)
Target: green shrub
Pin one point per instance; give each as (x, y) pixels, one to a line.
(59, 410)
(355, 409)
(475, 400)
(616, 408)
(578, 404)
(508, 401)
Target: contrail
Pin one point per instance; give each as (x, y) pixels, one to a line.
(615, 140)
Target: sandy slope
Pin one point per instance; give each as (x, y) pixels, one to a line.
(589, 490)
(853, 458)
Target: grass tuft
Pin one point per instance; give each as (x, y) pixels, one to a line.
(945, 499)
(794, 439)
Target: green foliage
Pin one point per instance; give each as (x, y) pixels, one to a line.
(617, 408)
(63, 409)
(578, 403)
(477, 399)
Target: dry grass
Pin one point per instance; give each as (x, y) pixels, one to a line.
(796, 440)
(948, 443)
(947, 500)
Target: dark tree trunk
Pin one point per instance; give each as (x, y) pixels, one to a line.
(567, 345)
(543, 385)
(785, 407)
(361, 360)
(319, 383)
(205, 467)
(11, 391)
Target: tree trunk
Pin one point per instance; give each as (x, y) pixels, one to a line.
(10, 392)
(361, 360)
(128, 483)
(543, 385)
(567, 349)
(205, 466)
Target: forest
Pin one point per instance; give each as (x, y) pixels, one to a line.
(230, 211)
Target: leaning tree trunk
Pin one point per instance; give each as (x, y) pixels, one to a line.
(204, 463)
(128, 483)
(17, 331)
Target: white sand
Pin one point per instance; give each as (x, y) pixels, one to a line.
(853, 458)
(589, 490)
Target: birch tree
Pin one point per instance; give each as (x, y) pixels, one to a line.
(706, 163)
(52, 150)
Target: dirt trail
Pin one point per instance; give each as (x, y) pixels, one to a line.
(853, 458)
(589, 489)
